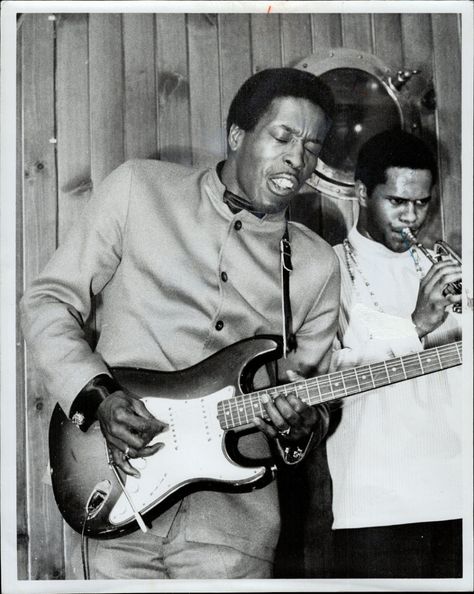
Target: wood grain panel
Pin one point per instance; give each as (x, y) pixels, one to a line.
(174, 127)
(206, 132)
(387, 33)
(73, 128)
(139, 72)
(417, 42)
(21, 484)
(296, 38)
(311, 211)
(266, 41)
(39, 198)
(447, 81)
(235, 60)
(72, 112)
(106, 94)
(417, 49)
(326, 30)
(357, 32)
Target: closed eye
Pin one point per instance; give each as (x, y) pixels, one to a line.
(312, 150)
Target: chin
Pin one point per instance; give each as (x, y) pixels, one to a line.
(397, 247)
(273, 207)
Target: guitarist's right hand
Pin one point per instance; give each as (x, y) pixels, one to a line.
(128, 427)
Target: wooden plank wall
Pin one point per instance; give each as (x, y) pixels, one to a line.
(98, 89)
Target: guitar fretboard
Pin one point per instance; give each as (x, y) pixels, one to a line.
(240, 410)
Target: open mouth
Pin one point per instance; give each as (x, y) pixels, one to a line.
(283, 184)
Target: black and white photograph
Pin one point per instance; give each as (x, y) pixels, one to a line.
(236, 278)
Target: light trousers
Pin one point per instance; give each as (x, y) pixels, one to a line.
(147, 556)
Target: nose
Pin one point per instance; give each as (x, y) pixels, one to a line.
(294, 156)
(409, 214)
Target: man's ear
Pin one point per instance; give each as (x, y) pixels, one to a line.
(361, 193)
(235, 137)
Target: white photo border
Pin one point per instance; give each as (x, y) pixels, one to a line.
(10, 9)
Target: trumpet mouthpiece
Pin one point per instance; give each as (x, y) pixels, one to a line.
(407, 234)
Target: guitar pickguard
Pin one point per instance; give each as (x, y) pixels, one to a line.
(194, 451)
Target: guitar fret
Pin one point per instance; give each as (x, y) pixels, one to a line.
(307, 392)
(256, 406)
(235, 409)
(244, 410)
(421, 363)
(431, 363)
(379, 375)
(351, 382)
(363, 377)
(357, 379)
(330, 387)
(230, 414)
(333, 384)
(343, 383)
(386, 371)
(297, 391)
(439, 359)
(320, 396)
(403, 367)
(458, 350)
(371, 375)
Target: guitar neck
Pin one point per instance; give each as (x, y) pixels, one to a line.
(240, 410)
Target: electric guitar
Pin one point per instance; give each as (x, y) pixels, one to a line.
(207, 406)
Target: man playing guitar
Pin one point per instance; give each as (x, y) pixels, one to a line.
(187, 262)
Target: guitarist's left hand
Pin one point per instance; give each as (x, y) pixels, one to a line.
(292, 419)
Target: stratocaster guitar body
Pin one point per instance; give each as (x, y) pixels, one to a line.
(197, 451)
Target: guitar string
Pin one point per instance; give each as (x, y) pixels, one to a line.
(380, 373)
(410, 363)
(325, 381)
(234, 409)
(413, 362)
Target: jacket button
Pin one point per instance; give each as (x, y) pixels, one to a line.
(219, 325)
(238, 225)
(224, 276)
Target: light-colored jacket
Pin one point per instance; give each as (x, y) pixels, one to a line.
(154, 241)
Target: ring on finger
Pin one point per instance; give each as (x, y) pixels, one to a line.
(126, 452)
(285, 432)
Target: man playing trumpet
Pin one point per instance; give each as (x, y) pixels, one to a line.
(395, 457)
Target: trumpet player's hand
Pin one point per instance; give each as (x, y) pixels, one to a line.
(430, 310)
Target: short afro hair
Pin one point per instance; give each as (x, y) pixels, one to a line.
(392, 148)
(256, 94)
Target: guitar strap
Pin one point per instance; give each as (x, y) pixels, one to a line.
(286, 266)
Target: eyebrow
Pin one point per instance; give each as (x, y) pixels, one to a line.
(293, 131)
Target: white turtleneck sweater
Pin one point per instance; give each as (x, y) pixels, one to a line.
(395, 458)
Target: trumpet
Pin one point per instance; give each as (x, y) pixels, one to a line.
(440, 249)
